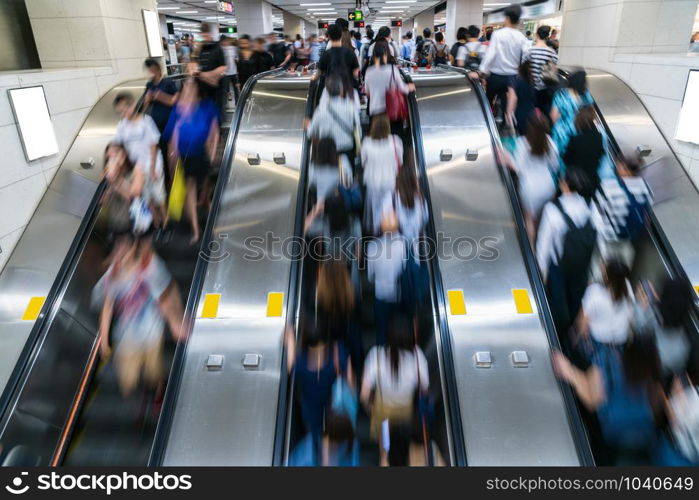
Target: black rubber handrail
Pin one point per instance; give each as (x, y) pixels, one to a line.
(49, 309)
(175, 379)
(457, 432)
(295, 275)
(578, 429)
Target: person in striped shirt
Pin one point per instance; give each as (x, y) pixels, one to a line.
(539, 56)
(614, 203)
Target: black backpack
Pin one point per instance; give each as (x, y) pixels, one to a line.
(578, 245)
(424, 52)
(454, 51)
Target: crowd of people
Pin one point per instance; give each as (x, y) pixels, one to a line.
(625, 349)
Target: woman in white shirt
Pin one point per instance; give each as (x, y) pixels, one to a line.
(536, 163)
(392, 373)
(607, 307)
(382, 155)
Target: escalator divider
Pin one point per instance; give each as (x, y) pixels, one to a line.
(162, 432)
(577, 427)
(454, 413)
(285, 403)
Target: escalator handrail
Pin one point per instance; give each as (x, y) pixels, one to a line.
(654, 227)
(49, 308)
(458, 438)
(294, 282)
(575, 419)
(164, 426)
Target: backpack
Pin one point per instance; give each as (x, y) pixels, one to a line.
(578, 245)
(473, 58)
(454, 51)
(626, 418)
(424, 53)
(441, 54)
(635, 218)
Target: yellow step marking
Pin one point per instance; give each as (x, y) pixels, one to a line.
(33, 308)
(696, 289)
(457, 305)
(210, 309)
(275, 302)
(522, 302)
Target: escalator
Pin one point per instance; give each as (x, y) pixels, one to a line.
(432, 338)
(513, 410)
(62, 404)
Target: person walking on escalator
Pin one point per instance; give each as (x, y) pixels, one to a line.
(564, 110)
(470, 53)
(507, 49)
(383, 76)
(544, 61)
(565, 245)
(586, 148)
(339, 60)
(622, 387)
(535, 160)
(393, 374)
(137, 298)
(315, 366)
(124, 184)
(521, 100)
(424, 52)
(161, 96)
(211, 68)
(140, 137)
(382, 156)
(440, 49)
(193, 130)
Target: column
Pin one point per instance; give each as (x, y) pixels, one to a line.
(293, 25)
(423, 20)
(408, 25)
(254, 17)
(309, 28)
(462, 13)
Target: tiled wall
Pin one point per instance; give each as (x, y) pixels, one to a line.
(645, 44)
(86, 47)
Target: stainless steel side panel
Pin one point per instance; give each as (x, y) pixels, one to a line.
(510, 416)
(632, 125)
(228, 416)
(35, 261)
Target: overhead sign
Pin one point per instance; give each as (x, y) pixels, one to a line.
(225, 7)
(355, 15)
(359, 24)
(397, 23)
(323, 25)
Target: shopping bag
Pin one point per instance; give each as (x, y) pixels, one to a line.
(178, 191)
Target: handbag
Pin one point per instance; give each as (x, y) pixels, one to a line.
(343, 400)
(396, 103)
(549, 73)
(178, 192)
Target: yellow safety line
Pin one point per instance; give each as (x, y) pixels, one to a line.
(275, 302)
(457, 304)
(210, 309)
(33, 308)
(522, 302)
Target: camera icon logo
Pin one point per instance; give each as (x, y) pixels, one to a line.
(16, 487)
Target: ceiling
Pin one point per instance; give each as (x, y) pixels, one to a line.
(191, 12)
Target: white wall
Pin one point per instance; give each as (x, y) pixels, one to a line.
(86, 47)
(645, 44)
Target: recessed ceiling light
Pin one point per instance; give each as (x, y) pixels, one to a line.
(169, 8)
(187, 12)
(401, 1)
(306, 4)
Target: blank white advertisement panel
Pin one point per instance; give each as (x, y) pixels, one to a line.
(688, 126)
(34, 122)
